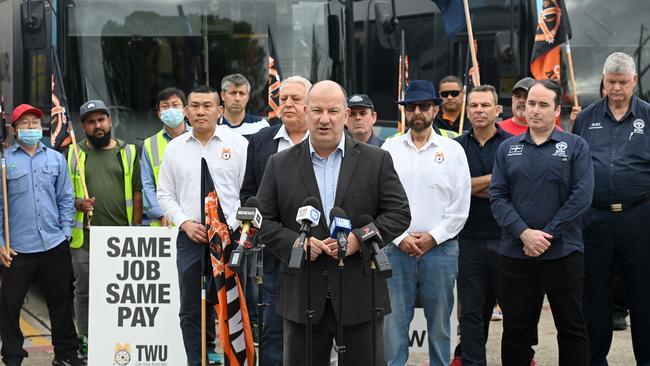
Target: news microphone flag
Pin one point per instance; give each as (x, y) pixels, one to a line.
(235, 331)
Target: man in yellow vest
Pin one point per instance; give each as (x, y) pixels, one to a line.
(112, 173)
(170, 106)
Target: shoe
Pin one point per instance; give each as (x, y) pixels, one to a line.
(497, 314)
(13, 362)
(457, 361)
(619, 322)
(214, 358)
(73, 361)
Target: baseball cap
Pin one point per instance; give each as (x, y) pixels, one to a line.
(360, 100)
(23, 109)
(91, 106)
(524, 83)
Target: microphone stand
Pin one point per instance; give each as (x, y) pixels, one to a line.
(259, 277)
(309, 312)
(340, 348)
(374, 311)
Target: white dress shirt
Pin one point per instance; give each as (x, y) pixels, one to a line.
(437, 182)
(284, 140)
(179, 188)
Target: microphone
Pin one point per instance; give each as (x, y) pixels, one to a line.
(307, 217)
(249, 215)
(370, 239)
(340, 227)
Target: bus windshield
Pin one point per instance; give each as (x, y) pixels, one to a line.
(125, 52)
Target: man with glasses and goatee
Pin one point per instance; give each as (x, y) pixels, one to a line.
(435, 175)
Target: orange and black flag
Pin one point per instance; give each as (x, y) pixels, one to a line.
(553, 29)
(59, 135)
(275, 79)
(234, 327)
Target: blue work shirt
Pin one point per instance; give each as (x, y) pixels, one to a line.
(620, 150)
(543, 187)
(326, 171)
(150, 202)
(480, 222)
(41, 200)
(374, 140)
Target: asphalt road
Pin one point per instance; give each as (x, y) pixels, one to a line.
(36, 328)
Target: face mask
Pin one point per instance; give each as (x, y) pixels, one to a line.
(172, 117)
(30, 137)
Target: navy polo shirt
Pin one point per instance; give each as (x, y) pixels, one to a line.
(620, 150)
(480, 222)
(544, 187)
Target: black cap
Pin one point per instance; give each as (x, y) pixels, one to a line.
(360, 100)
(92, 106)
(525, 84)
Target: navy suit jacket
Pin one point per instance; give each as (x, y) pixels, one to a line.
(261, 146)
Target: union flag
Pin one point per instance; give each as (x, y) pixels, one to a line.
(275, 79)
(235, 331)
(553, 28)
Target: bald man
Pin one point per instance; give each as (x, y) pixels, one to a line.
(338, 172)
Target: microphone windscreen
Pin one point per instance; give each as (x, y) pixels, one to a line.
(311, 201)
(364, 220)
(337, 212)
(252, 201)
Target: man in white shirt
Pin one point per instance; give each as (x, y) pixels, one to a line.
(180, 198)
(292, 130)
(435, 175)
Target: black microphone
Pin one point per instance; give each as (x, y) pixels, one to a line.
(370, 239)
(249, 215)
(308, 216)
(340, 227)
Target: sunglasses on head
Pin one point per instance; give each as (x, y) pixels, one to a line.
(424, 107)
(453, 93)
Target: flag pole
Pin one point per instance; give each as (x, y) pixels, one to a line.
(571, 74)
(204, 346)
(75, 148)
(5, 207)
(476, 78)
(462, 111)
(401, 123)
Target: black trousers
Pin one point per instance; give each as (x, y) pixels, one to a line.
(479, 286)
(523, 281)
(52, 271)
(188, 263)
(623, 238)
(357, 340)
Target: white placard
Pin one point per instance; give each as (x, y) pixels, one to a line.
(134, 297)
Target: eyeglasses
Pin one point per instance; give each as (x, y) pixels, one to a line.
(424, 107)
(26, 123)
(453, 93)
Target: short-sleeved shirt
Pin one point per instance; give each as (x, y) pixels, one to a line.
(620, 150)
(441, 121)
(512, 127)
(543, 187)
(480, 222)
(105, 181)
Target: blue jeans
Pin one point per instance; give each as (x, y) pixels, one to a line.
(431, 277)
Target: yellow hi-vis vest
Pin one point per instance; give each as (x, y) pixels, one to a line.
(127, 153)
(155, 147)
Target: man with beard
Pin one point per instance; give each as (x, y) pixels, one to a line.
(424, 258)
(517, 125)
(112, 174)
(280, 137)
(235, 94)
(451, 92)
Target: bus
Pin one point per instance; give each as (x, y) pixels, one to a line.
(125, 52)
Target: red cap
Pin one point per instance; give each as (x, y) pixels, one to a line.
(23, 109)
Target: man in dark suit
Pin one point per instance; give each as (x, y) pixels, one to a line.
(292, 130)
(339, 172)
